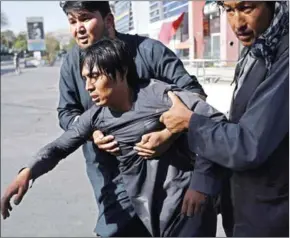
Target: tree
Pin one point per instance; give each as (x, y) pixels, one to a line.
(52, 47)
(7, 38)
(20, 42)
(4, 19)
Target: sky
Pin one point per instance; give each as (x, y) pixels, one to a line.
(16, 11)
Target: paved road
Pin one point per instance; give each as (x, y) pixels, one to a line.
(61, 203)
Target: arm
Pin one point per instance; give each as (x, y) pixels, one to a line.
(206, 177)
(163, 65)
(50, 155)
(166, 66)
(69, 107)
(46, 159)
(247, 145)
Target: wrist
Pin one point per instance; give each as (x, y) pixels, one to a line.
(187, 119)
(26, 172)
(166, 133)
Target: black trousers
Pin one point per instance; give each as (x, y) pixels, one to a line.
(202, 224)
(134, 228)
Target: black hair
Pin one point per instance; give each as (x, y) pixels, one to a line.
(110, 56)
(102, 6)
(271, 4)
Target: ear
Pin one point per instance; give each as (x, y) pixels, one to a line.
(110, 25)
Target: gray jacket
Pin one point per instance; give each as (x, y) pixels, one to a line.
(153, 60)
(155, 187)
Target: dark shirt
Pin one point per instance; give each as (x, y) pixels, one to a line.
(155, 187)
(153, 60)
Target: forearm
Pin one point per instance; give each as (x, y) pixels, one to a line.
(231, 145)
(207, 177)
(50, 155)
(39, 167)
(45, 160)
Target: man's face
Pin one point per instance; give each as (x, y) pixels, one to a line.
(88, 27)
(248, 19)
(102, 89)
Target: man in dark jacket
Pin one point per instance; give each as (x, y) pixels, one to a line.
(89, 22)
(254, 143)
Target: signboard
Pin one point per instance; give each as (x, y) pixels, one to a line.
(35, 34)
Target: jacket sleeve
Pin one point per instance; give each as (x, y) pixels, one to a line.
(206, 176)
(167, 67)
(50, 155)
(247, 144)
(69, 107)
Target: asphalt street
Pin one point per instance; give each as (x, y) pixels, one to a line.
(60, 203)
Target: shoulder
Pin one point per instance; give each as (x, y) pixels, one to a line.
(72, 55)
(71, 60)
(141, 42)
(156, 87)
(156, 90)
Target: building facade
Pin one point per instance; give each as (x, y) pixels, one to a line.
(202, 33)
(211, 34)
(123, 16)
(131, 16)
(166, 12)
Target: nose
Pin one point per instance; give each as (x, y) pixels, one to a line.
(89, 86)
(80, 27)
(239, 22)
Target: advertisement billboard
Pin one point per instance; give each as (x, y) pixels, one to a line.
(35, 34)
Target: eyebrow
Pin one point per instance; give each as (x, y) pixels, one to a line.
(81, 14)
(238, 4)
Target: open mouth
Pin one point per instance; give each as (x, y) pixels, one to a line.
(83, 39)
(95, 99)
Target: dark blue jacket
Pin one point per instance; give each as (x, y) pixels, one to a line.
(254, 144)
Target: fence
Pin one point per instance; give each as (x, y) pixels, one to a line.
(211, 70)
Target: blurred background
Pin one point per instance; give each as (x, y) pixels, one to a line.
(197, 31)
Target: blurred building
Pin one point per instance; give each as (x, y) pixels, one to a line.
(212, 35)
(131, 16)
(192, 29)
(169, 24)
(123, 16)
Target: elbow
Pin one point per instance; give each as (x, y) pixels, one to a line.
(246, 152)
(62, 119)
(245, 161)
